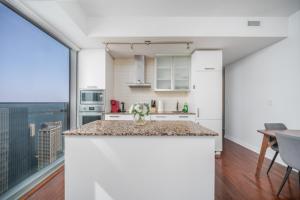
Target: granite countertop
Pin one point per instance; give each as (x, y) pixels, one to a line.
(151, 128)
(163, 113)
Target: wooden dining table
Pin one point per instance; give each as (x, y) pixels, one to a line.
(267, 134)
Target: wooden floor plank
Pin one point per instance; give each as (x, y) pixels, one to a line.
(235, 179)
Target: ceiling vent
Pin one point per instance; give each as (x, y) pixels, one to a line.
(253, 23)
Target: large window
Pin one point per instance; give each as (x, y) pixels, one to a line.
(34, 98)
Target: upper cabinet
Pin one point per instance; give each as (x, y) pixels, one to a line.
(95, 70)
(207, 60)
(164, 72)
(91, 68)
(172, 73)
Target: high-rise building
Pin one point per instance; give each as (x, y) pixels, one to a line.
(49, 143)
(19, 141)
(33, 159)
(4, 148)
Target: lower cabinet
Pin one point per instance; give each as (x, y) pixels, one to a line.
(158, 117)
(215, 125)
(173, 117)
(121, 117)
(118, 117)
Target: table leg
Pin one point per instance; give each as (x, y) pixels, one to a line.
(263, 149)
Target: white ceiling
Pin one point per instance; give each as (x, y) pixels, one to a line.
(171, 8)
(233, 47)
(70, 18)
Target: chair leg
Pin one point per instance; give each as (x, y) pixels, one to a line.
(272, 162)
(299, 177)
(288, 171)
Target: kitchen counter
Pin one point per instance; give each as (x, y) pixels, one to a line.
(162, 160)
(156, 113)
(151, 128)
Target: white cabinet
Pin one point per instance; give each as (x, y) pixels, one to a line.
(206, 94)
(91, 68)
(207, 60)
(205, 97)
(172, 73)
(181, 117)
(95, 70)
(215, 125)
(158, 117)
(118, 117)
(164, 72)
(181, 72)
(121, 117)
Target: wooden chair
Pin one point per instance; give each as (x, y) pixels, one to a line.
(274, 144)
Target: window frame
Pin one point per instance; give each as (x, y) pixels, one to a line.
(30, 182)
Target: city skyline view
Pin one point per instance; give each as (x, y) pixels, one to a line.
(30, 139)
(34, 100)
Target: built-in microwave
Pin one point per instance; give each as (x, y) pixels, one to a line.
(91, 97)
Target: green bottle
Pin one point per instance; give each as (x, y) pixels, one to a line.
(185, 108)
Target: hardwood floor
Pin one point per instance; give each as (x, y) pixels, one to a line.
(235, 179)
(50, 189)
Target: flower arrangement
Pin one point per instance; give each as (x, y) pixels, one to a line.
(139, 112)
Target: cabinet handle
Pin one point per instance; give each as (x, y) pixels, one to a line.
(198, 112)
(209, 68)
(161, 116)
(183, 116)
(114, 116)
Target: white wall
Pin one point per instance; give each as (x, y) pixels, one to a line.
(109, 81)
(264, 87)
(124, 73)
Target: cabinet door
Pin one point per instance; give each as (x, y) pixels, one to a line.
(185, 118)
(206, 60)
(91, 68)
(162, 117)
(164, 72)
(181, 69)
(118, 117)
(182, 117)
(207, 94)
(214, 125)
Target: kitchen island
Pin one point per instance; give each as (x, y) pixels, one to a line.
(119, 160)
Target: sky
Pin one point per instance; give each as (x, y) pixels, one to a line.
(33, 66)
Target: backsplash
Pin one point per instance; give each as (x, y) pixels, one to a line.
(124, 73)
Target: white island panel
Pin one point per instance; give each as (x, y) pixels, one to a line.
(139, 167)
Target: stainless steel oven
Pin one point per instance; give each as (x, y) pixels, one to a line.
(90, 113)
(91, 97)
(85, 118)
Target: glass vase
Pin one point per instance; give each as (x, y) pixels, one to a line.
(139, 120)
